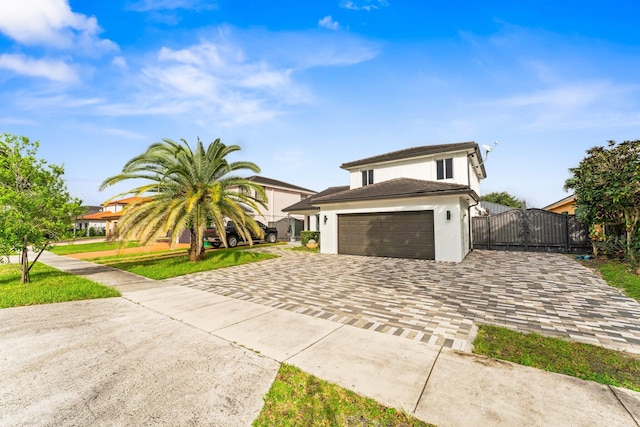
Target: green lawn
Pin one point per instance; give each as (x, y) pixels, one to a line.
(136, 256)
(299, 399)
(584, 361)
(616, 274)
(164, 268)
(304, 249)
(47, 285)
(76, 248)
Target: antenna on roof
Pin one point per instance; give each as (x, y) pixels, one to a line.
(488, 149)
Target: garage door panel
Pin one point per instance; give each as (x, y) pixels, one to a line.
(396, 234)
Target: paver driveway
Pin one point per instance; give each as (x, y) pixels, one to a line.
(438, 303)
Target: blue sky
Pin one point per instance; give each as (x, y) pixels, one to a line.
(303, 87)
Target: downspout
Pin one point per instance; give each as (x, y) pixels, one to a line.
(470, 206)
(469, 219)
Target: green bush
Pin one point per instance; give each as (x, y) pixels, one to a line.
(97, 231)
(305, 236)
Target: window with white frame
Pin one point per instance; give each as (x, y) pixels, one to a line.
(367, 177)
(444, 168)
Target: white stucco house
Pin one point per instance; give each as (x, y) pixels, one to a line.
(412, 203)
(280, 194)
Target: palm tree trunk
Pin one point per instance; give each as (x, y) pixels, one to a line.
(193, 245)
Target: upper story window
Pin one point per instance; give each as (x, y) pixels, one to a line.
(444, 168)
(367, 177)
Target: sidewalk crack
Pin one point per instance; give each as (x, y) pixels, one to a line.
(624, 406)
(314, 343)
(427, 380)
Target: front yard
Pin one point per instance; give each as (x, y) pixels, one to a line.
(161, 267)
(48, 285)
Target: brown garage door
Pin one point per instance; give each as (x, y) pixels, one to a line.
(392, 234)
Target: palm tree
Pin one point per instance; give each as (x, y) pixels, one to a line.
(188, 189)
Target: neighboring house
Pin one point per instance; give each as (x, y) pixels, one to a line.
(110, 214)
(412, 203)
(568, 205)
(280, 195)
(84, 223)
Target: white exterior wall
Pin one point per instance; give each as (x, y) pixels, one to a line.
(277, 200)
(422, 168)
(449, 235)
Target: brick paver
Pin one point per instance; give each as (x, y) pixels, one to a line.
(438, 303)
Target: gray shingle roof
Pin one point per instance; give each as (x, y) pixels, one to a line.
(274, 182)
(396, 188)
(412, 152)
(305, 204)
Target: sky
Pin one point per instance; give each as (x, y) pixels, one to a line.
(305, 86)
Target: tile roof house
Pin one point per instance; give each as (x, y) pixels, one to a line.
(109, 215)
(568, 205)
(412, 203)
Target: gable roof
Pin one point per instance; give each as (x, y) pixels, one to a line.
(275, 183)
(101, 216)
(567, 200)
(397, 188)
(306, 204)
(128, 200)
(408, 153)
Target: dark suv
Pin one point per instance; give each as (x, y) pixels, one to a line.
(233, 238)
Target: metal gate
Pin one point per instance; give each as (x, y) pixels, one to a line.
(532, 230)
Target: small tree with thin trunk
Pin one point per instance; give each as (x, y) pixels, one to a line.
(607, 188)
(35, 206)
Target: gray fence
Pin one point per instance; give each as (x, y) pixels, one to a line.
(532, 230)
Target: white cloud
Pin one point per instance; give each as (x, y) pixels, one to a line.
(153, 5)
(123, 133)
(571, 105)
(120, 62)
(56, 71)
(367, 5)
(328, 22)
(18, 121)
(51, 23)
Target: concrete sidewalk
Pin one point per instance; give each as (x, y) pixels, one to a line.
(439, 385)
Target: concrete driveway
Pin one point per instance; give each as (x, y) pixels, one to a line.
(438, 303)
(113, 362)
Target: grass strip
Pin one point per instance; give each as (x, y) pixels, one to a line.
(48, 285)
(136, 256)
(579, 360)
(299, 399)
(78, 248)
(304, 249)
(617, 274)
(164, 268)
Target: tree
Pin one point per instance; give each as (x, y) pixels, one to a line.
(607, 188)
(34, 201)
(503, 198)
(188, 189)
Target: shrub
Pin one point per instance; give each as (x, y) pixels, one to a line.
(97, 231)
(305, 236)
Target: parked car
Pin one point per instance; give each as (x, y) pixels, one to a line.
(212, 236)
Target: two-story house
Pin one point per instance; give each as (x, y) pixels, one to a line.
(412, 203)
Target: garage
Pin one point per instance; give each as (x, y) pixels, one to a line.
(389, 234)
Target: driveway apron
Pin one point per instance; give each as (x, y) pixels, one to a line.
(438, 303)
